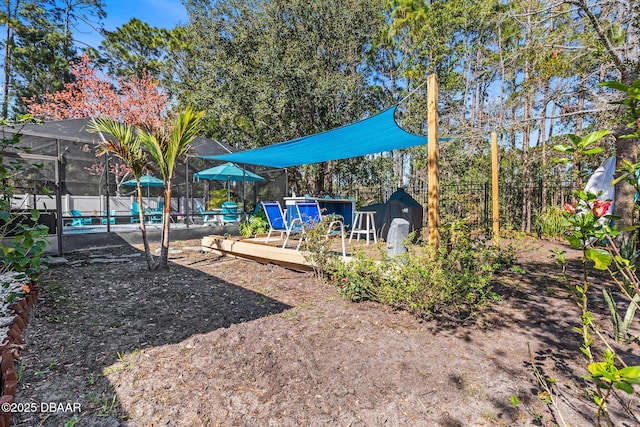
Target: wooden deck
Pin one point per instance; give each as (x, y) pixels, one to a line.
(272, 253)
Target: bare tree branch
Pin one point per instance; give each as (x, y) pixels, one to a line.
(582, 5)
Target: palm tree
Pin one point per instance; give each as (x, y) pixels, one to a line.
(166, 147)
(127, 147)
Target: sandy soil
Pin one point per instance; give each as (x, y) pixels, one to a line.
(222, 341)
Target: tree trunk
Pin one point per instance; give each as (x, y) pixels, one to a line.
(626, 149)
(514, 114)
(166, 227)
(319, 182)
(526, 194)
(526, 179)
(542, 133)
(396, 165)
(328, 178)
(503, 75)
(474, 92)
(151, 264)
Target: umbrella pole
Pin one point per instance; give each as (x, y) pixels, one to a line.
(244, 188)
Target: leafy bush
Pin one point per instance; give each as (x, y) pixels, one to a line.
(256, 224)
(355, 280)
(551, 222)
(317, 248)
(217, 198)
(451, 279)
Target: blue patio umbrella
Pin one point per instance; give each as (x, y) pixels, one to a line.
(146, 181)
(228, 172)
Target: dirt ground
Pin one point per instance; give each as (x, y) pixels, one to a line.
(223, 341)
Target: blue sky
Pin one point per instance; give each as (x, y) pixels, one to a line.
(157, 13)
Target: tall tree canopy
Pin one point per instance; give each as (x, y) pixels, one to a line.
(39, 40)
(267, 71)
(137, 48)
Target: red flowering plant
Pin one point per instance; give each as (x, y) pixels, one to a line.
(569, 208)
(593, 231)
(603, 248)
(589, 221)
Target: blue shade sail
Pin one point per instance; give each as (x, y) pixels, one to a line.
(375, 134)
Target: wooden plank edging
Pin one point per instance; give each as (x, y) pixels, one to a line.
(8, 371)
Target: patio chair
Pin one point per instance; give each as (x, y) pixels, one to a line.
(155, 215)
(78, 219)
(255, 212)
(111, 216)
(310, 216)
(230, 213)
(135, 212)
(276, 220)
(209, 217)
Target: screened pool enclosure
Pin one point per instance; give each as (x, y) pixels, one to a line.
(64, 179)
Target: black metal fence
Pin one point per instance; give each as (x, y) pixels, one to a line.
(520, 202)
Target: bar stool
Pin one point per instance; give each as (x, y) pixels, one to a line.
(369, 226)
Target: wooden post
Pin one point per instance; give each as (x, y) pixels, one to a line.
(432, 148)
(494, 187)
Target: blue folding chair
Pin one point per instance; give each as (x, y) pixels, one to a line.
(277, 222)
(310, 216)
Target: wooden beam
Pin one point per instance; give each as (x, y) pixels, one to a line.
(433, 149)
(494, 186)
(256, 251)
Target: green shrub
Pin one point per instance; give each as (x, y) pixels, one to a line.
(317, 248)
(355, 279)
(452, 279)
(217, 198)
(256, 224)
(550, 222)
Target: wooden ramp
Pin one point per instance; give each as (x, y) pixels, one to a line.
(273, 253)
(255, 249)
